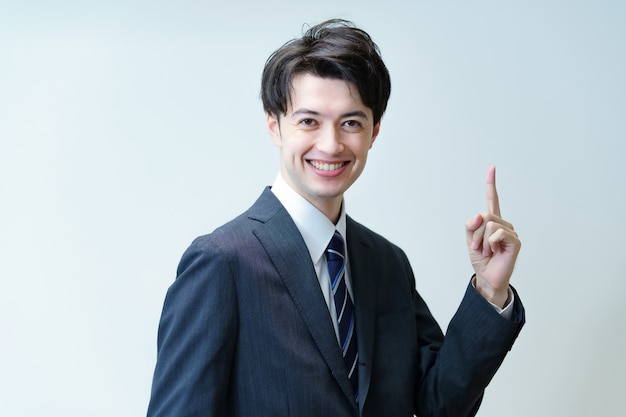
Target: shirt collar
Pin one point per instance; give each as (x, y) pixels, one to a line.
(316, 229)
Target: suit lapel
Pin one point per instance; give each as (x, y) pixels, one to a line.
(288, 253)
(362, 259)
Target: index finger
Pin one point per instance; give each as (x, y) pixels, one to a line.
(493, 204)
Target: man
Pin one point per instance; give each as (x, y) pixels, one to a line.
(267, 318)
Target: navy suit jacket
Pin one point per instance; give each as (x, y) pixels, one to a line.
(245, 331)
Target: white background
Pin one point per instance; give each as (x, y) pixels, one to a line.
(129, 128)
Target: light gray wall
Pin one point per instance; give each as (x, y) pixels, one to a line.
(129, 128)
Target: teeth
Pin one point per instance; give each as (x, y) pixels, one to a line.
(325, 166)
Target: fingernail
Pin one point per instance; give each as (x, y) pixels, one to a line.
(474, 245)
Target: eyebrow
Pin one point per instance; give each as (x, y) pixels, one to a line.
(355, 113)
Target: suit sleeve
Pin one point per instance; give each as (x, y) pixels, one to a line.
(456, 368)
(196, 338)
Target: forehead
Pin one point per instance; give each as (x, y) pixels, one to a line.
(319, 94)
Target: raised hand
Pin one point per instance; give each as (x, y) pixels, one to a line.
(493, 247)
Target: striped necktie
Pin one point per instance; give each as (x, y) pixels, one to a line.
(345, 310)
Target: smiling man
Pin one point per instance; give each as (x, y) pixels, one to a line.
(295, 309)
(324, 139)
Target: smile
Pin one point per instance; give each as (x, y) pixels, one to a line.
(325, 166)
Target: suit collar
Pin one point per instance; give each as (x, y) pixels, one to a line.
(265, 207)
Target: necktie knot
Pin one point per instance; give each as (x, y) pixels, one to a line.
(335, 250)
(335, 258)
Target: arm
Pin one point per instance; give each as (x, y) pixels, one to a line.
(477, 338)
(196, 339)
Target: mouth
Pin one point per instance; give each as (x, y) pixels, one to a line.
(326, 166)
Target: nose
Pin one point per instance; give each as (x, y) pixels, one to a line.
(329, 141)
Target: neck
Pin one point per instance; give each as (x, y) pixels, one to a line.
(333, 213)
(330, 207)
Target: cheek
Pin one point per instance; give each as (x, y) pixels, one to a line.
(292, 151)
(362, 149)
(297, 145)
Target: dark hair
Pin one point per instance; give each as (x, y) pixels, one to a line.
(333, 49)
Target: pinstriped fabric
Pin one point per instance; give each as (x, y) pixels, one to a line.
(335, 254)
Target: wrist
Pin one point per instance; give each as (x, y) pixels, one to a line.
(496, 296)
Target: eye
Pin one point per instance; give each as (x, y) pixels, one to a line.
(307, 122)
(352, 123)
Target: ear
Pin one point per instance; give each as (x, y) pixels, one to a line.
(273, 127)
(375, 133)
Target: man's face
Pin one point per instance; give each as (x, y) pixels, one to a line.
(324, 139)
